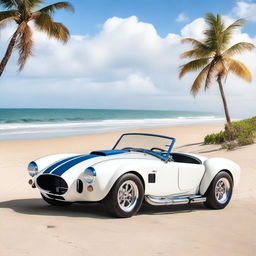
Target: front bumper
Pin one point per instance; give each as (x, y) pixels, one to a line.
(74, 189)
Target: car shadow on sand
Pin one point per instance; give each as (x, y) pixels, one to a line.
(38, 207)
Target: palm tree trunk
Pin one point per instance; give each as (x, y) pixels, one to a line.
(8, 52)
(224, 101)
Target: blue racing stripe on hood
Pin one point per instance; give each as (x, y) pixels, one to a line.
(63, 168)
(52, 167)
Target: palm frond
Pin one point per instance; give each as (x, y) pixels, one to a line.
(214, 32)
(44, 22)
(199, 79)
(237, 24)
(210, 19)
(194, 42)
(189, 54)
(193, 65)
(219, 26)
(227, 33)
(50, 9)
(60, 32)
(215, 23)
(24, 45)
(8, 4)
(34, 3)
(197, 53)
(221, 69)
(28, 5)
(238, 48)
(8, 15)
(239, 68)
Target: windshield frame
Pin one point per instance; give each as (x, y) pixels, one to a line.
(163, 157)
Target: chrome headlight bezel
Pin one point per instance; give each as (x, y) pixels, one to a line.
(89, 175)
(32, 169)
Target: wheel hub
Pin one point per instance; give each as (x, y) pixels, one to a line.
(222, 190)
(127, 195)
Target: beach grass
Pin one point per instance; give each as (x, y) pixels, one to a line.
(241, 133)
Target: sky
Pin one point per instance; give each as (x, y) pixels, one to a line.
(125, 55)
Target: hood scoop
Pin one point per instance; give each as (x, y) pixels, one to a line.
(108, 152)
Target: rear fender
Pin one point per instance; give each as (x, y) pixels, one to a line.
(215, 165)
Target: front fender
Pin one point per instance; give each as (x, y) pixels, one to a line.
(108, 172)
(213, 166)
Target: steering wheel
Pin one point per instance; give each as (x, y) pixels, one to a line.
(158, 149)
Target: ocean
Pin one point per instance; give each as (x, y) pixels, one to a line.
(47, 123)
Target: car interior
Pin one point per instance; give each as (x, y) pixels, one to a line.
(183, 158)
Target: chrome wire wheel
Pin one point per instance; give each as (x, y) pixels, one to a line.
(127, 196)
(222, 190)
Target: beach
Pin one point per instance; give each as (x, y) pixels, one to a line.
(28, 226)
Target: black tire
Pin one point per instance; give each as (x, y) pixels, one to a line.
(54, 202)
(219, 195)
(113, 204)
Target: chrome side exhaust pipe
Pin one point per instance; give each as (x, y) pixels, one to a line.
(157, 201)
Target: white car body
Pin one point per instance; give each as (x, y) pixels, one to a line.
(163, 180)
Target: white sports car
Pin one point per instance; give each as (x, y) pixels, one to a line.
(140, 166)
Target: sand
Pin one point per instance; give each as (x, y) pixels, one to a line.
(28, 226)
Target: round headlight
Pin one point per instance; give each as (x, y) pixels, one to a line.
(32, 169)
(89, 175)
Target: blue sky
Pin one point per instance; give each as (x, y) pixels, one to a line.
(125, 55)
(161, 13)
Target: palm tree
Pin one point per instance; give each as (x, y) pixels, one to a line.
(22, 12)
(213, 57)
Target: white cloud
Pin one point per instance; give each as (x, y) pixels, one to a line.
(182, 17)
(194, 29)
(246, 10)
(126, 65)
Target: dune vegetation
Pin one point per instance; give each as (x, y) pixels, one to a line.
(241, 133)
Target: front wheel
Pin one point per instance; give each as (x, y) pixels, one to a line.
(220, 191)
(125, 197)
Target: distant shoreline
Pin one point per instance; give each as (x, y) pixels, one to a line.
(49, 123)
(68, 136)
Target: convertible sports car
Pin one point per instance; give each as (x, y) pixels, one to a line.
(140, 166)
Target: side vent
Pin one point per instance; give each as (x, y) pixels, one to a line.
(79, 186)
(151, 178)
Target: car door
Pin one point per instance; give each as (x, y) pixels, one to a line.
(190, 176)
(166, 179)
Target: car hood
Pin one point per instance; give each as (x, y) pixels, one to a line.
(78, 163)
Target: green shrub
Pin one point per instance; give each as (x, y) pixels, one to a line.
(245, 140)
(214, 138)
(241, 132)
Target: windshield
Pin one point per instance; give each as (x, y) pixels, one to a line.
(150, 142)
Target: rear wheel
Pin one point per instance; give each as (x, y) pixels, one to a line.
(220, 191)
(126, 196)
(55, 202)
